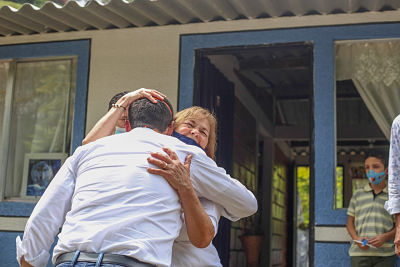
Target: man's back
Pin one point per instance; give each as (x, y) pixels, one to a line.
(117, 206)
(101, 189)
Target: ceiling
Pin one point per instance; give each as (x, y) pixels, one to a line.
(280, 80)
(118, 14)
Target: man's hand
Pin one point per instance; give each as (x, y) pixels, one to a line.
(377, 241)
(172, 169)
(397, 239)
(24, 263)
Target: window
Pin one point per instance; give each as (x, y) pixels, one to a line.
(339, 188)
(367, 93)
(3, 83)
(303, 191)
(36, 107)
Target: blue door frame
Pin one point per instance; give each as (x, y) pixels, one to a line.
(323, 39)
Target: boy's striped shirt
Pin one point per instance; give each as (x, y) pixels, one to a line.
(371, 219)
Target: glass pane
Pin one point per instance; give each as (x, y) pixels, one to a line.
(339, 188)
(40, 111)
(367, 101)
(3, 84)
(303, 218)
(303, 189)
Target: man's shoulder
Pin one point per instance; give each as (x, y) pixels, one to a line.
(396, 122)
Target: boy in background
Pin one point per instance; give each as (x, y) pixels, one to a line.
(369, 224)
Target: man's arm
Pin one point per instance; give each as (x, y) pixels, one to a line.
(393, 204)
(213, 183)
(397, 235)
(106, 125)
(47, 218)
(199, 227)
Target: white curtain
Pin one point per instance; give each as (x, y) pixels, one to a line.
(374, 68)
(40, 106)
(4, 66)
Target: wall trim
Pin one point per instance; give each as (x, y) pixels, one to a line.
(331, 234)
(13, 224)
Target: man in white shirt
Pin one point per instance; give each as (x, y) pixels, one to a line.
(106, 202)
(393, 204)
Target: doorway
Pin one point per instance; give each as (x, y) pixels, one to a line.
(262, 96)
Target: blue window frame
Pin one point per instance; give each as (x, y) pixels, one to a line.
(323, 39)
(77, 48)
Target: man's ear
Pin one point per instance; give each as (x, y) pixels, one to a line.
(170, 128)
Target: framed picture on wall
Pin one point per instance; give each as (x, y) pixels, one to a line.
(39, 170)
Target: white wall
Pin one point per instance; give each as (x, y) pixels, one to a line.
(124, 59)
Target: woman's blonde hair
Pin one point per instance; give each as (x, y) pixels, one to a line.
(196, 112)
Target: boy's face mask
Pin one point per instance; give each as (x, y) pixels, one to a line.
(119, 130)
(375, 178)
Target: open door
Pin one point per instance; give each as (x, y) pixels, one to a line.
(216, 93)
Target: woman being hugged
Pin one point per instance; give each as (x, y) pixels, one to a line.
(190, 122)
(193, 247)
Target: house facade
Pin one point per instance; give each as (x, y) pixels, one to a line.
(302, 93)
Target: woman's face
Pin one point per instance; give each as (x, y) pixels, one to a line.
(197, 129)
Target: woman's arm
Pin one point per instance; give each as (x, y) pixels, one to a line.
(106, 125)
(199, 226)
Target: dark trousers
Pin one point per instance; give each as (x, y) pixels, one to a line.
(373, 261)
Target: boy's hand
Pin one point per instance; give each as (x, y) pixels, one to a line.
(360, 244)
(377, 241)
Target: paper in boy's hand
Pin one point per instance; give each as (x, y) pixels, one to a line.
(364, 243)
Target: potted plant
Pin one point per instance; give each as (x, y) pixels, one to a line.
(251, 238)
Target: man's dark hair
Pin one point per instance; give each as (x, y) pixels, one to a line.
(144, 113)
(115, 98)
(379, 154)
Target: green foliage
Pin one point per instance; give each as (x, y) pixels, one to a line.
(19, 3)
(339, 188)
(40, 3)
(11, 4)
(41, 103)
(303, 188)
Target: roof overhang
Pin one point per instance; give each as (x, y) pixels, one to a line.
(120, 14)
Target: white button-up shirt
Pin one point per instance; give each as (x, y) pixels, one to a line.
(105, 200)
(393, 204)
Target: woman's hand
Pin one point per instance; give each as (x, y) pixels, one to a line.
(198, 225)
(172, 169)
(131, 97)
